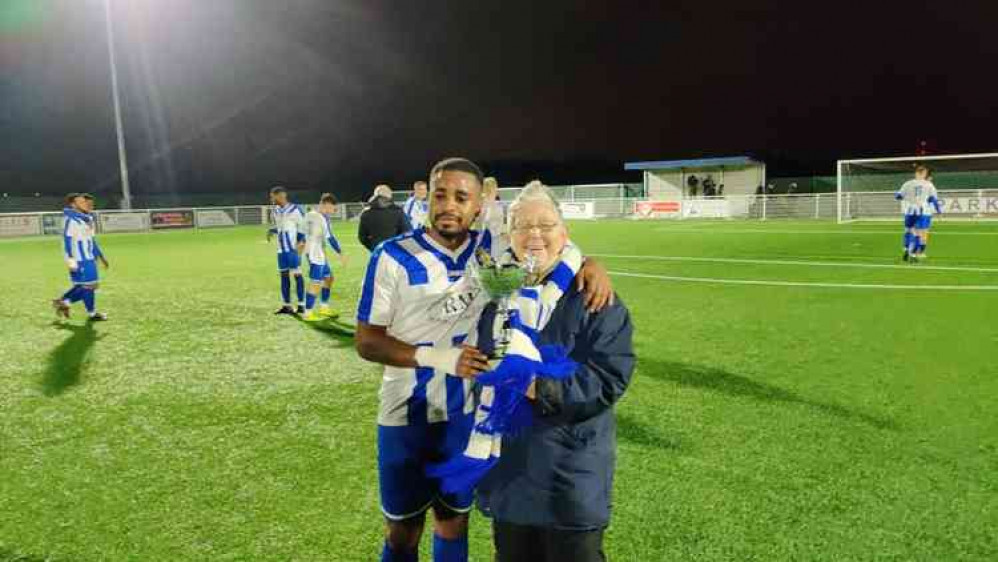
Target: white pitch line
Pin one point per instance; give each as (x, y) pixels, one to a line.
(688, 230)
(756, 282)
(800, 262)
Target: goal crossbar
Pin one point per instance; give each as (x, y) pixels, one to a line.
(952, 164)
(919, 158)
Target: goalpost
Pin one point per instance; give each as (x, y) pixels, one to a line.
(967, 184)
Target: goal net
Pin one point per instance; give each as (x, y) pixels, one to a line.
(967, 184)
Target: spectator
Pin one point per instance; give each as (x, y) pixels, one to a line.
(709, 187)
(549, 493)
(381, 220)
(692, 182)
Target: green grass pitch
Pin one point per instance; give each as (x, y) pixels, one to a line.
(801, 395)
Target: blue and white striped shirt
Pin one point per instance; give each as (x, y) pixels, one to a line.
(289, 225)
(416, 211)
(318, 232)
(418, 290)
(918, 197)
(78, 243)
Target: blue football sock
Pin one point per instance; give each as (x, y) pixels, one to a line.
(389, 555)
(300, 288)
(326, 291)
(450, 550)
(920, 247)
(286, 287)
(907, 240)
(74, 294)
(89, 300)
(309, 301)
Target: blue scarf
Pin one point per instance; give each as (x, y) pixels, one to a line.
(503, 408)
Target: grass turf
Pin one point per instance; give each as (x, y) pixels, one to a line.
(765, 422)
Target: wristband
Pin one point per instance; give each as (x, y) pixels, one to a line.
(443, 360)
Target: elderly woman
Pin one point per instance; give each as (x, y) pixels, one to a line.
(549, 493)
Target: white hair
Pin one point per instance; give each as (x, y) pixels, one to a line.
(534, 191)
(382, 191)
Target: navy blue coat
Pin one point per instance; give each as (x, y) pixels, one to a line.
(559, 473)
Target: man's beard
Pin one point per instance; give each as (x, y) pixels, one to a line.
(456, 230)
(452, 235)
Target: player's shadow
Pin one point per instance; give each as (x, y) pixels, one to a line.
(723, 382)
(334, 329)
(631, 430)
(66, 362)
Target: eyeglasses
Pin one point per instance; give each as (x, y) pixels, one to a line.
(542, 228)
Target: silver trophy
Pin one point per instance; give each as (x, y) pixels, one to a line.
(501, 283)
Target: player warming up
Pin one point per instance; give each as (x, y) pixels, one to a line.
(81, 253)
(918, 200)
(289, 228)
(318, 232)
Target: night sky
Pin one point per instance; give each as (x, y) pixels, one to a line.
(226, 95)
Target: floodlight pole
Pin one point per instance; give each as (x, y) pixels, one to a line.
(126, 192)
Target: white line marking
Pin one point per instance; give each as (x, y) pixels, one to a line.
(804, 263)
(688, 230)
(806, 284)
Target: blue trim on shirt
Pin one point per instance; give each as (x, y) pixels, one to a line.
(367, 290)
(414, 269)
(416, 403)
(462, 260)
(451, 265)
(67, 240)
(333, 242)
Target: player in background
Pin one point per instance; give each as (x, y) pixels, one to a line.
(416, 307)
(416, 207)
(918, 198)
(318, 232)
(289, 227)
(81, 253)
(927, 221)
(493, 217)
